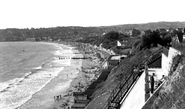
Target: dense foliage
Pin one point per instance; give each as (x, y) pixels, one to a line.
(152, 38)
(41, 34)
(110, 39)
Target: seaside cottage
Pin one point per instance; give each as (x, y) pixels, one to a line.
(114, 60)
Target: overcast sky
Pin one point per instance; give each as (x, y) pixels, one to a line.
(52, 13)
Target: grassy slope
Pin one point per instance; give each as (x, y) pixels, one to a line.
(118, 74)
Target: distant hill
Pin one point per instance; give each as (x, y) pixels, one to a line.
(72, 33)
(146, 26)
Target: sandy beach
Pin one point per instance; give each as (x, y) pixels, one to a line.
(53, 71)
(44, 98)
(76, 76)
(81, 72)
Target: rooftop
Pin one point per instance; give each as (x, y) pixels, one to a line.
(117, 57)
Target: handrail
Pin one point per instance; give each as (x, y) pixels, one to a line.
(116, 90)
(119, 88)
(123, 84)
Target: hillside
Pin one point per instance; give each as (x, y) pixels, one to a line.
(77, 33)
(117, 75)
(146, 26)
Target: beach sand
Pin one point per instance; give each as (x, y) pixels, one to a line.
(74, 78)
(82, 73)
(44, 99)
(59, 77)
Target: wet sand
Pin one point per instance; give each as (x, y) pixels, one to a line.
(44, 99)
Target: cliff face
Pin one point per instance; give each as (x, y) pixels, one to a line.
(172, 93)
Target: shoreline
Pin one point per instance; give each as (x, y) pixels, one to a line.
(73, 78)
(76, 75)
(33, 102)
(35, 77)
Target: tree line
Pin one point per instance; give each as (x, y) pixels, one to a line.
(42, 34)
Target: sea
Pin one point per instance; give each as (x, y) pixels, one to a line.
(26, 68)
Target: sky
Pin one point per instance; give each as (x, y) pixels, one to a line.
(52, 13)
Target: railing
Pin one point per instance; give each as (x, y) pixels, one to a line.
(122, 89)
(116, 91)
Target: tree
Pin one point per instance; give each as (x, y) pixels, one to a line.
(112, 35)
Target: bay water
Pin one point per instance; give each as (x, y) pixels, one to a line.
(26, 68)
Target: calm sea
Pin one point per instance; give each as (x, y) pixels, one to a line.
(25, 68)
